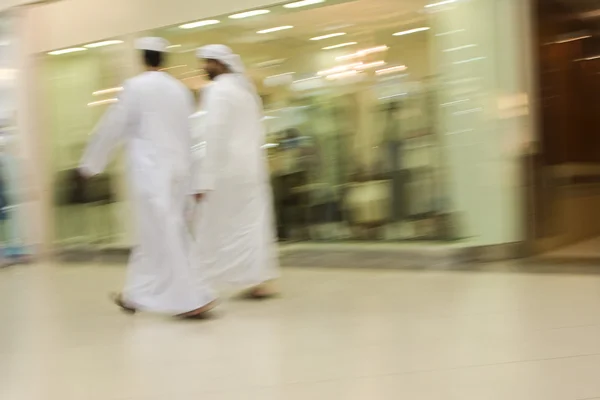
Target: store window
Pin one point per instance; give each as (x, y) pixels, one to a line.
(349, 101)
(80, 83)
(373, 110)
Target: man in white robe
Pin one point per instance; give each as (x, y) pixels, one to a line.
(235, 236)
(152, 120)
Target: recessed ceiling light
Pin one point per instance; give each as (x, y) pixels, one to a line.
(391, 70)
(331, 35)
(248, 14)
(197, 24)
(67, 51)
(363, 53)
(277, 28)
(373, 64)
(337, 46)
(102, 44)
(303, 3)
(339, 68)
(408, 32)
(440, 3)
(342, 75)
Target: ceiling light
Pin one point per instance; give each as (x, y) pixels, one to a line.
(337, 46)
(408, 32)
(588, 58)
(174, 46)
(468, 60)
(102, 44)
(571, 39)
(280, 75)
(248, 14)
(467, 46)
(270, 63)
(363, 53)
(67, 51)
(276, 29)
(339, 68)
(197, 24)
(303, 3)
(391, 70)
(342, 75)
(441, 3)
(374, 64)
(107, 91)
(331, 35)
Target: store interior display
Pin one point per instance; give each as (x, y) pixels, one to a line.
(86, 211)
(351, 138)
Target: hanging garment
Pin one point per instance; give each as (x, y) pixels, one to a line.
(151, 118)
(234, 230)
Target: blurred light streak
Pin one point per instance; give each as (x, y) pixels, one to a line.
(249, 14)
(67, 51)
(103, 44)
(107, 91)
(329, 36)
(102, 102)
(303, 3)
(391, 70)
(198, 24)
(276, 29)
(337, 46)
(363, 53)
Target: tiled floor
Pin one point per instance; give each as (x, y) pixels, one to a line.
(336, 334)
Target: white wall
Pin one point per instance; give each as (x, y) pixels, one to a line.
(69, 22)
(6, 4)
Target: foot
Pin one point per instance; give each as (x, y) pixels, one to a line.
(199, 313)
(118, 300)
(260, 292)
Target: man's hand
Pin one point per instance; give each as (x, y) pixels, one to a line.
(199, 197)
(83, 174)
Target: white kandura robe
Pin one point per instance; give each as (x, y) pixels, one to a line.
(234, 230)
(152, 119)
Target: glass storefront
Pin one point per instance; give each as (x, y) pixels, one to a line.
(362, 123)
(13, 189)
(79, 85)
(349, 110)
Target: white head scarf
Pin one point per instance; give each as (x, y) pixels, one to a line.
(224, 54)
(233, 61)
(152, 43)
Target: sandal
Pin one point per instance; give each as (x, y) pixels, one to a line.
(203, 312)
(257, 293)
(117, 298)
